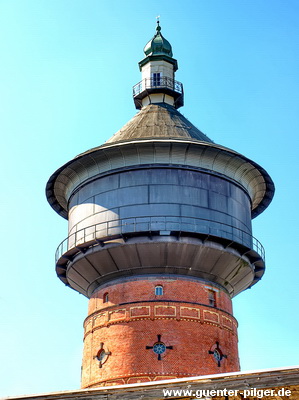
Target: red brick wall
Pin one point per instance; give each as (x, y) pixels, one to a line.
(134, 316)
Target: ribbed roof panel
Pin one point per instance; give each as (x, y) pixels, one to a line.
(158, 121)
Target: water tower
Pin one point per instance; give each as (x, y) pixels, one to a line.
(159, 238)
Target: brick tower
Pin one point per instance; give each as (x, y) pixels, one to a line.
(159, 238)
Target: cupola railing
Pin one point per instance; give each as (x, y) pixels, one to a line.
(160, 82)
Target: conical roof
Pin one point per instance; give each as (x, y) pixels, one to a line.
(157, 121)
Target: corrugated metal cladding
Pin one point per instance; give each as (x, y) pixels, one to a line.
(163, 199)
(147, 153)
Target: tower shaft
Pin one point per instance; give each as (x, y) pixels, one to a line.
(187, 316)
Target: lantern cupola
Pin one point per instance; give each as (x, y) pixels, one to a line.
(158, 84)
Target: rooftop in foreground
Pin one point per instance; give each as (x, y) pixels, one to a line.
(271, 383)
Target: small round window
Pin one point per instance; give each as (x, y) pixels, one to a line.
(101, 356)
(159, 348)
(217, 355)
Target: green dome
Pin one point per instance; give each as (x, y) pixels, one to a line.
(158, 44)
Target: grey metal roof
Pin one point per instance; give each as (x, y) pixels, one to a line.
(158, 121)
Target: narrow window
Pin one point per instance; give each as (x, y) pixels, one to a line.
(156, 79)
(106, 298)
(158, 290)
(212, 298)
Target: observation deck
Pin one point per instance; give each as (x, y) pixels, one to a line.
(161, 84)
(194, 247)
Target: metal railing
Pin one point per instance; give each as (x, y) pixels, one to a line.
(117, 228)
(162, 82)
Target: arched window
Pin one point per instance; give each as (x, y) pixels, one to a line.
(159, 290)
(212, 298)
(106, 298)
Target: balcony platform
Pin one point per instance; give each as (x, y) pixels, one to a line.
(164, 85)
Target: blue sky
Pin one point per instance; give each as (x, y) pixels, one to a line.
(66, 74)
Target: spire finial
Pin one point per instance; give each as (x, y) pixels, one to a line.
(158, 28)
